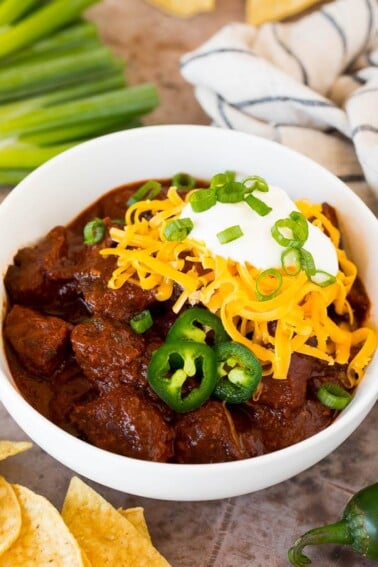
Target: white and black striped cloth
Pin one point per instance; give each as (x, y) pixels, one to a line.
(311, 84)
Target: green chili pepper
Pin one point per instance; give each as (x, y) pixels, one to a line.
(358, 528)
(196, 324)
(239, 372)
(170, 367)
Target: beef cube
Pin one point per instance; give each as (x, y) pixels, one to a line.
(101, 300)
(27, 279)
(124, 422)
(40, 341)
(280, 430)
(291, 392)
(106, 351)
(250, 438)
(206, 435)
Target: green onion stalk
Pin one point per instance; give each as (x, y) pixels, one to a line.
(51, 17)
(59, 85)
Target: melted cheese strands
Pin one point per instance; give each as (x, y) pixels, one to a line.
(228, 288)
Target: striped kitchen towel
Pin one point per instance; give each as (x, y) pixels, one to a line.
(311, 84)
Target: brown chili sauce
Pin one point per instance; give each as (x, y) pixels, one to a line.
(75, 358)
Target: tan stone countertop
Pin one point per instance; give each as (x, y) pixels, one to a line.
(253, 530)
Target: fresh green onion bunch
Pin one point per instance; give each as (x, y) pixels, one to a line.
(59, 85)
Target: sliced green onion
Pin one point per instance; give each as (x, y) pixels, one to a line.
(333, 396)
(178, 229)
(221, 179)
(231, 192)
(148, 190)
(141, 322)
(257, 205)
(229, 234)
(307, 262)
(203, 199)
(275, 278)
(301, 225)
(291, 261)
(94, 231)
(283, 232)
(255, 183)
(322, 279)
(288, 233)
(183, 181)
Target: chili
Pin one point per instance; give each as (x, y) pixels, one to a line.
(358, 528)
(238, 372)
(198, 325)
(173, 364)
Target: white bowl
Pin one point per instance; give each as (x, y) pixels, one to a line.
(60, 189)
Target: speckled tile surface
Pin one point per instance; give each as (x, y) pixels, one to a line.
(253, 530)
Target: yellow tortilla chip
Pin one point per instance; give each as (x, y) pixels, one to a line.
(44, 538)
(10, 448)
(136, 517)
(261, 11)
(10, 515)
(184, 8)
(104, 534)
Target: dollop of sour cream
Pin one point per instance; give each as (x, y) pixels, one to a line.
(257, 245)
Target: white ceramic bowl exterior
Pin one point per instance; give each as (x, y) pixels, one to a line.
(60, 189)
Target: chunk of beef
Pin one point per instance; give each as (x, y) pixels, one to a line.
(291, 392)
(124, 422)
(28, 280)
(106, 351)
(250, 438)
(101, 300)
(40, 341)
(281, 430)
(207, 435)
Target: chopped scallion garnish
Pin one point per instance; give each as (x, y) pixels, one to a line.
(141, 322)
(268, 284)
(291, 231)
(94, 231)
(183, 181)
(291, 261)
(307, 262)
(231, 192)
(148, 190)
(333, 396)
(321, 278)
(255, 183)
(229, 234)
(178, 229)
(203, 199)
(257, 205)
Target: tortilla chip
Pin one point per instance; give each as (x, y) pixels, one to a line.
(261, 11)
(10, 448)
(184, 8)
(10, 515)
(105, 535)
(44, 538)
(136, 517)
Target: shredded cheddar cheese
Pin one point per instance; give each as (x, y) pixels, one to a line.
(295, 320)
